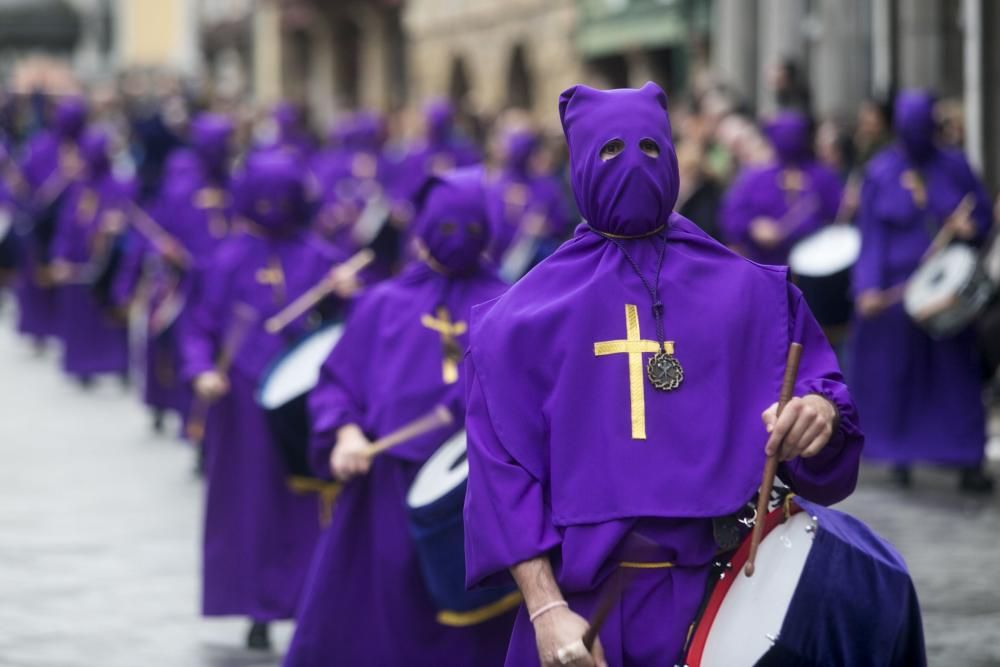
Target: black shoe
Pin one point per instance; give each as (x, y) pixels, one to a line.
(259, 638)
(158, 421)
(86, 381)
(975, 480)
(902, 476)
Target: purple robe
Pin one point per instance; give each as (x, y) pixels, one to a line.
(163, 388)
(259, 535)
(94, 336)
(50, 153)
(797, 191)
(528, 212)
(920, 398)
(366, 602)
(565, 461)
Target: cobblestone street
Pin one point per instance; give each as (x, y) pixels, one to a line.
(100, 521)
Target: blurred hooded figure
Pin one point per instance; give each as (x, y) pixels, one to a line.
(770, 208)
(920, 398)
(51, 160)
(366, 602)
(259, 534)
(86, 248)
(528, 213)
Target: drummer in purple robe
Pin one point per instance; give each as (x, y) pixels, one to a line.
(258, 534)
(158, 263)
(616, 395)
(52, 158)
(366, 602)
(769, 208)
(920, 398)
(89, 229)
(529, 214)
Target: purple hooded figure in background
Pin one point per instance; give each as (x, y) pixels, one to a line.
(440, 149)
(528, 213)
(366, 602)
(615, 396)
(920, 398)
(768, 209)
(91, 221)
(164, 268)
(289, 130)
(259, 534)
(52, 158)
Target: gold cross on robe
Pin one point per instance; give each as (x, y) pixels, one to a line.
(634, 347)
(451, 352)
(274, 276)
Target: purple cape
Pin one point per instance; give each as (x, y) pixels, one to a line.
(549, 388)
(939, 417)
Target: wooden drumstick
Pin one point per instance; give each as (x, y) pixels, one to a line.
(244, 317)
(947, 232)
(163, 240)
(437, 418)
(320, 291)
(771, 467)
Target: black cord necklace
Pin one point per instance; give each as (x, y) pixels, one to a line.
(663, 370)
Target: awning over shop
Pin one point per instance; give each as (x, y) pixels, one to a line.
(613, 26)
(43, 24)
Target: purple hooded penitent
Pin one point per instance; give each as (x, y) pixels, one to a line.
(95, 339)
(380, 613)
(527, 209)
(571, 448)
(259, 535)
(909, 190)
(796, 191)
(50, 157)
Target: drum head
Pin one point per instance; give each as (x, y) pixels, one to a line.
(445, 471)
(940, 278)
(297, 371)
(831, 250)
(742, 619)
(6, 221)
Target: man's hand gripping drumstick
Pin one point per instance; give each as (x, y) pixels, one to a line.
(798, 427)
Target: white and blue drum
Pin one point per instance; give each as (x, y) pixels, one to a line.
(283, 390)
(434, 505)
(821, 265)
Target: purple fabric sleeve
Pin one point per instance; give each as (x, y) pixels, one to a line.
(203, 329)
(830, 476)
(868, 272)
(734, 215)
(339, 397)
(507, 518)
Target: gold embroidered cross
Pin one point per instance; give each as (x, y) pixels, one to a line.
(273, 275)
(911, 181)
(451, 352)
(634, 347)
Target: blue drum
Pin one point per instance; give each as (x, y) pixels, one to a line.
(283, 390)
(434, 505)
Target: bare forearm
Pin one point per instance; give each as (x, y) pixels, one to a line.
(537, 582)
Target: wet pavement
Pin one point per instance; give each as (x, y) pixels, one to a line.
(100, 521)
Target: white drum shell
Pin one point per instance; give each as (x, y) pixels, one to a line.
(444, 471)
(951, 287)
(833, 249)
(298, 372)
(754, 608)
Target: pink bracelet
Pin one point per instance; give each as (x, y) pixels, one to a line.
(547, 607)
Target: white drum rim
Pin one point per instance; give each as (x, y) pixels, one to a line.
(750, 647)
(439, 475)
(810, 259)
(923, 289)
(276, 390)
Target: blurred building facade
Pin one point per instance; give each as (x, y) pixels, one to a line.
(489, 55)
